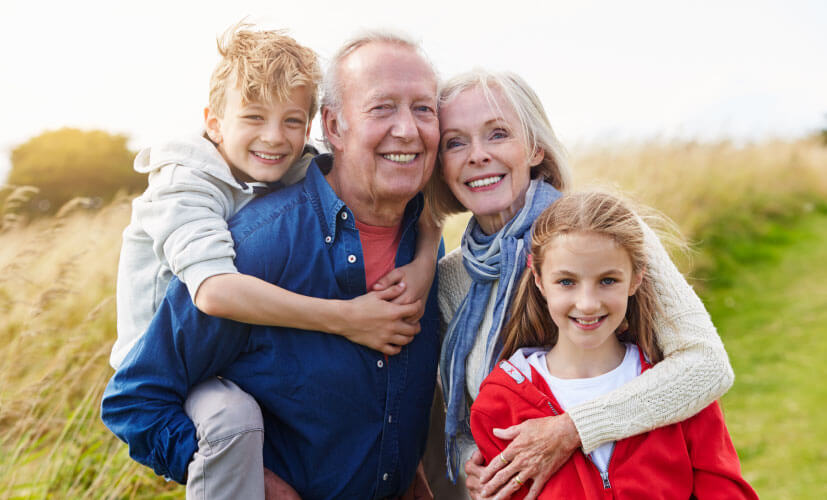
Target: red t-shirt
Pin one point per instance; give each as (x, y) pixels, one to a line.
(379, 246)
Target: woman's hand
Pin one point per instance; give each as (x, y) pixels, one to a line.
(419, 488)
(537, 449)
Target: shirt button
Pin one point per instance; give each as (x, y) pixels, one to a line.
(385, 476)
(351, 258)
(390, 419)
(328, 239)
(344, 215)
(380, 364)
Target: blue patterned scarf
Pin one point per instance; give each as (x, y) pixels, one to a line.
(500, 257)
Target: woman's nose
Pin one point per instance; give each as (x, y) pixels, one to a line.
(479, 155)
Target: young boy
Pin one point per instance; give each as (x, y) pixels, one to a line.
(262, 101)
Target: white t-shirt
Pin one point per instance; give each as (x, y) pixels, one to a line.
(570, 392)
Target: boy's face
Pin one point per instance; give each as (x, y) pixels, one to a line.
(260, 141)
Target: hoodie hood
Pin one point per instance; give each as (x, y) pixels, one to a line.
(197, 152)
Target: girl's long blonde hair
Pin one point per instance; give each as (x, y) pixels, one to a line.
(599, 213)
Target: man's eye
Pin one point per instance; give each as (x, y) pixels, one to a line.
(425, 109)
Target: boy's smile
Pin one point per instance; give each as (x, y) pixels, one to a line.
(260, 141)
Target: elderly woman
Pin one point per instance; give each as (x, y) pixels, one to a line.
(499, 159)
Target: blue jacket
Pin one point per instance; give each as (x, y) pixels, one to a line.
(341, 421)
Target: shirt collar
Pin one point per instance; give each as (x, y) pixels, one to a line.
(330, 208)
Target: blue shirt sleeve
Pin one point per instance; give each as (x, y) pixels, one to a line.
(143, 402)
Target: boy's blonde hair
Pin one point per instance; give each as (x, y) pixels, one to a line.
(265, 65)
(591, 212)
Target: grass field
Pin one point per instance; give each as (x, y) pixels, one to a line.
(755, 212)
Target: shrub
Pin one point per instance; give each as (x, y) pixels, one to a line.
(67, 163)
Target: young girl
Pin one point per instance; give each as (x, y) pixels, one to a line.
(582, 326)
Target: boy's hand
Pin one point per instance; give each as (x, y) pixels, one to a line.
(416, 277)
(375, 320)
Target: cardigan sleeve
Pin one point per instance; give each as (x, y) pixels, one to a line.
(694, 373)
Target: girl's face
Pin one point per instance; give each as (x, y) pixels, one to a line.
(587, 280)
(483, 156)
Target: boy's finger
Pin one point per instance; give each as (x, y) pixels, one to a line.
(391, 293)
(393, 277)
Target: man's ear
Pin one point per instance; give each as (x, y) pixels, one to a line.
(213, 125)
(637, 279)
(332, 125)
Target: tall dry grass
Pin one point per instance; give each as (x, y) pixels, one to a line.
(57, 310)
(57, 282)
(703, 187)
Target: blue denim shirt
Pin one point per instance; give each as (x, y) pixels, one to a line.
(341, 421)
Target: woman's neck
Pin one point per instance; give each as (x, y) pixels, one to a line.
(566, 360)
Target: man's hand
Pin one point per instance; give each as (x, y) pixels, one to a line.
(537, 449)
(276, 489)
(419, 488)
(375, 320)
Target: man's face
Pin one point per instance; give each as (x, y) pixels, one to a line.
(387, 140)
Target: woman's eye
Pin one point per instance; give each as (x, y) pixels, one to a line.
(608, 281)
(451, 144)
(499, 134)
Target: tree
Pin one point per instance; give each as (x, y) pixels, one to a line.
(68, 163)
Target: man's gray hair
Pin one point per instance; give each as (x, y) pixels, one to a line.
(332, 87)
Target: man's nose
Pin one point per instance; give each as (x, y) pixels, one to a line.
(404, 126)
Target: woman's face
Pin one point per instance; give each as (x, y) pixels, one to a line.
(483, 156)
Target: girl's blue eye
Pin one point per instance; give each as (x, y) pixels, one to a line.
(566, 282)
(608, 281)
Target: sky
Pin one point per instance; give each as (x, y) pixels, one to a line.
(607, 72)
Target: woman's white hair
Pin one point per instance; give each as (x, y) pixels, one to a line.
(332, 86)
(534, 123)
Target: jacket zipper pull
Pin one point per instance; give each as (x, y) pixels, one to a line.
(605, 477)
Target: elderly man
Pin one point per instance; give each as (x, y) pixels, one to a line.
(340, 420)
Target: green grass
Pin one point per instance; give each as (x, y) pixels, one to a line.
(770, 306)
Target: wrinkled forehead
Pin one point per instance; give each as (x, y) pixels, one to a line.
(387, 67)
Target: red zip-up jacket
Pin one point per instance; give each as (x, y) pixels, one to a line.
(694, 458)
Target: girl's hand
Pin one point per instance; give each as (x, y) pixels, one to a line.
(537, 449)
(474, 468)
(374, 320)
